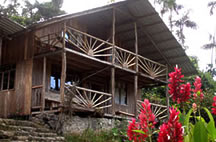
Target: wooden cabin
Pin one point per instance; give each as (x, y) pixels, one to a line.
(98, 60)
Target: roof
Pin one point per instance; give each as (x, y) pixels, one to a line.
(156, 42)
(9, 27)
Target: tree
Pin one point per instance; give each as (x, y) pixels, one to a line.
(176, 25)
(181, 23)
(211, 45)
(212, 6)
(32, 13)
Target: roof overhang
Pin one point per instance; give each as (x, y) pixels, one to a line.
(9, 27)
(156, 42)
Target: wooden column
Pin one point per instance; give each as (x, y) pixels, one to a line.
(63, 71)
(113, 62)
(44, 85)
(0, 50)
(136, 76)
(167, 89)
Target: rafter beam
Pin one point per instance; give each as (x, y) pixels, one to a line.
(144, 25)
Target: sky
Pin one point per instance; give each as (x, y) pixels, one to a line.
(195, 39)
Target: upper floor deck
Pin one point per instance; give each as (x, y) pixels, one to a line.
(104, 51)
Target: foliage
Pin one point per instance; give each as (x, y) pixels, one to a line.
(91, 136)
(32, 13)
(198, 122)
(116, 134)
(155, 94)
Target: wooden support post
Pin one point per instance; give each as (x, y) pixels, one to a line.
(135, 93)
(0, 50)
(167, 89)
(136, 76)
(63, 71)
(44, 85)
(113, 62)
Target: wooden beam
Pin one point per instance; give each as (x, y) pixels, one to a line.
(0, 50)
(43, 84)
(63, 71)
(136, 76)
(167, 89)
(135, 93)
(113, 62)
(113, 89)
(48, 54)
(143, 26)
(25, 46)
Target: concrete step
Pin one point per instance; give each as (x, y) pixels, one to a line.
(19, 123)
(24, 131)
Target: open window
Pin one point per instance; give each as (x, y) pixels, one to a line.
(55, 78)
(121, 93)
(7, 77)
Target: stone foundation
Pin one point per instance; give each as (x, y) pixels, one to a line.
(74, 124)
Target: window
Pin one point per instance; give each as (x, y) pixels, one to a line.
(121, 93)
(55, 83)
(7, 77)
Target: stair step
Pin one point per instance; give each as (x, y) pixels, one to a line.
(24, 131)
(18, 122)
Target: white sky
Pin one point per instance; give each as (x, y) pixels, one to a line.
(194, 38)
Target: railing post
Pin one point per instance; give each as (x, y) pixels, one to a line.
(167, 89)
(44, 85)
(63, 71)
(136, 61)
(113, 62)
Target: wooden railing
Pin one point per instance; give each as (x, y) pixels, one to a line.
(104, 50)
(151, 68)
(36, 96)
(160, 111)
(125, 58)
(89, 44)
(87, 98)
(49, 42)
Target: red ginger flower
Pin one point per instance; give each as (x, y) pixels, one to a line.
(171, 131)
(198, 91)
(179, 92)
(214, 105)
(147, 121)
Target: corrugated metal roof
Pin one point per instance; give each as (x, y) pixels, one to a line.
(156, 42)
(9, 27)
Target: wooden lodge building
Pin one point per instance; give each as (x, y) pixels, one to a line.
(101, 57)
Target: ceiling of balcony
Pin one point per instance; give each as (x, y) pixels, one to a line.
(155, 40)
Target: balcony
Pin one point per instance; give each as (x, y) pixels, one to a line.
(89, 46)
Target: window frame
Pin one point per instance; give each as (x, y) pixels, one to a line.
(7, 69)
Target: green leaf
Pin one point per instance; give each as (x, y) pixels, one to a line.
(209, 115)
(200, 132)
(187, 120)
(211, 125)
(139, 131)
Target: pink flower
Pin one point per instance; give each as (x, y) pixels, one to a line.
(179, 92)
(214, 106)
(198, 91)
(171, 131)
(194, 106)
(146, 122)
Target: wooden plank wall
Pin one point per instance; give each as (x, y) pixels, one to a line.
(18, 100)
